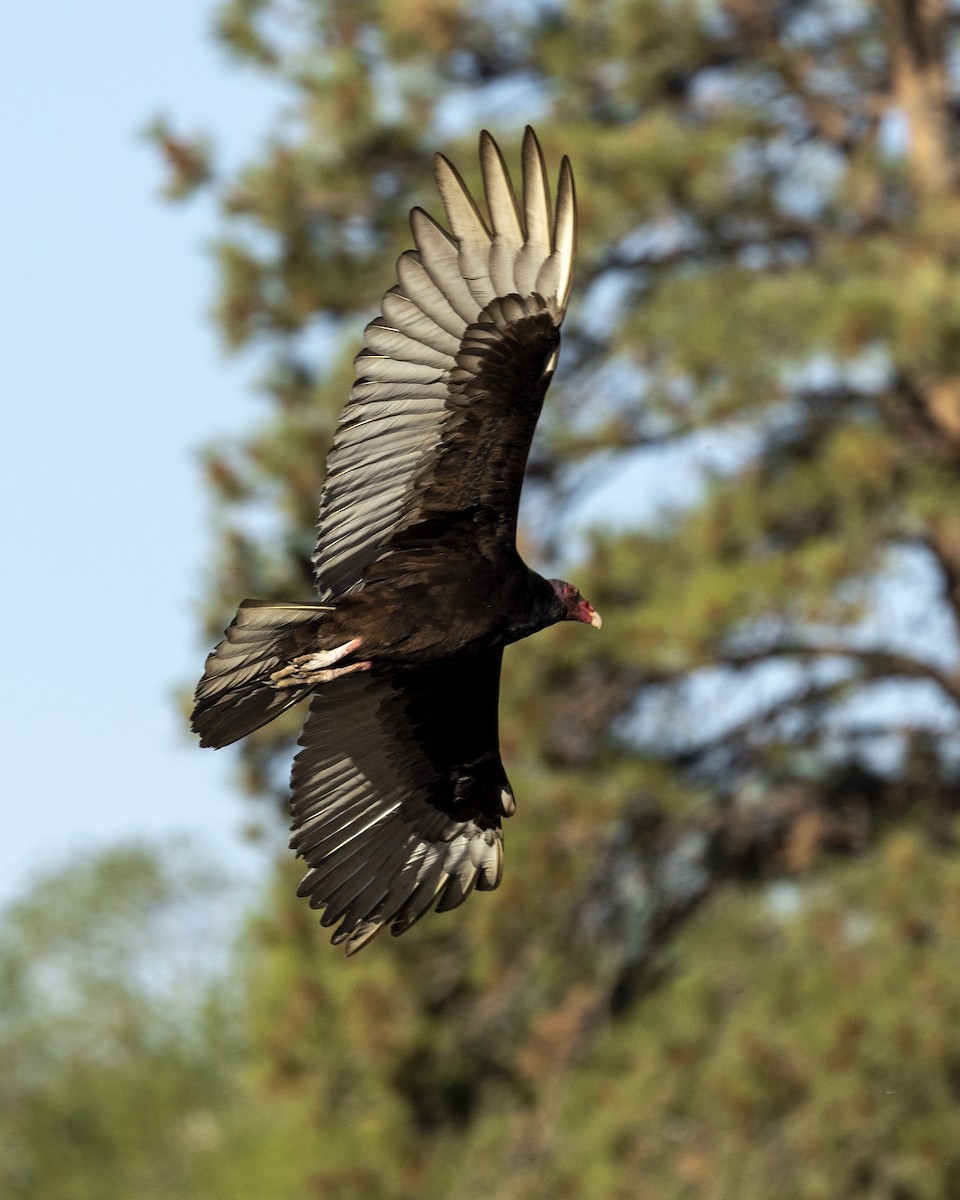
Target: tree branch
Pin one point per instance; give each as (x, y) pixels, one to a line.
(811, 694)
(657, 872)
(709, 245)
(921, 89)
(875, 662)
(946, 554)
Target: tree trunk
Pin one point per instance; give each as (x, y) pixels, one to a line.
(919, 88)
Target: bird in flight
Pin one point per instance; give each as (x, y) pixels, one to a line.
(398, 791)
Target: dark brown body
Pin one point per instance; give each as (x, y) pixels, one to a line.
(418, 610)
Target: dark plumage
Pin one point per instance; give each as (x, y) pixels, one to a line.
(398, 790)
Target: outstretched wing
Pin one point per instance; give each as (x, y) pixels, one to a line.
(398, 795)
(453, 373)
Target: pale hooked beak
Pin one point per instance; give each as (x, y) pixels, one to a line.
(586, 613)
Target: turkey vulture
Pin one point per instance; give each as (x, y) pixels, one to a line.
(398, 791)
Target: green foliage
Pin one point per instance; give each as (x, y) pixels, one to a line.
(115, 1060)
(807, 1054)
(801, 1041)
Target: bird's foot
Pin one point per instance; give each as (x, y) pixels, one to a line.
(311, 669)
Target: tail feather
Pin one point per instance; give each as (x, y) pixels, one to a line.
(235, 695)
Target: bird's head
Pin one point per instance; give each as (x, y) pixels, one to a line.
(574, 607)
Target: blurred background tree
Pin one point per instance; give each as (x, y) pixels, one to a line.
(723, 960)
(120, 1044)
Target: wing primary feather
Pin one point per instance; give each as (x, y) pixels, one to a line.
(400, 888)
(402, 312)
(463, 878)
(469, 229)
(489, 864)
(556, 275)
(383, 339)
(346, 836)
(504, 216)
(440, 257)
(362, 936)
(341, 892)
(538, 226)
(369, 901)
(336, 839)
(338, 902)
(420, 288)
(418, 904)
(465, 218)
(565, 235)
(380, 368)
(498, 188)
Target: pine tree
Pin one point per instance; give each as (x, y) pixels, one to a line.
(759, 409)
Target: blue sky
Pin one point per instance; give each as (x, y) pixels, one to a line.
(111, 377)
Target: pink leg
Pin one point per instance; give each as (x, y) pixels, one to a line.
(319, 667)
